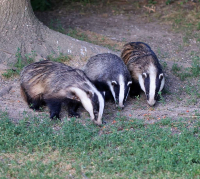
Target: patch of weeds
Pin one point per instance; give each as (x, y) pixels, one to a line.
(175, 68)
(168, 2)
(20, 64)
(61, 58)
(152, 2)
(193, 92)
(161, 98)
(78, 35)
(137, 102)
(180, 47)
(112, 47)
(185, 39)
(178, 71)
(166, 91)
(9, 73)
(195, 69)
(162, 54)
(164, 65)
(57, 26)
(95, 38)
(184, 75)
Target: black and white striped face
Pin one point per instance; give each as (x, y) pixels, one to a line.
(151, 83)
(93, 102)
(120, 90)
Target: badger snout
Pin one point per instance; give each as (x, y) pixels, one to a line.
(151, 102)
(96, 121)
(120, 106)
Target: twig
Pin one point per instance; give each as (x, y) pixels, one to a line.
(152, 8)
(6, 51)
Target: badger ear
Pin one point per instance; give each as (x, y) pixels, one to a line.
(129, 83)
(161, 76)
(75, 97)
(114, 83)
(89, 94)
(144, 75)
(74, 93)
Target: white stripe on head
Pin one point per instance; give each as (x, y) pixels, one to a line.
(152, 88)
(121, 90)
(128, 86)
(101, 103)
(127, 93)
(85, 100)
(141, 82)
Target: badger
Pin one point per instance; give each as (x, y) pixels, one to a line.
(52, 83)
(110, 75)
(145, 69)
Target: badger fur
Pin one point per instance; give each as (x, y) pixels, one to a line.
(110, 75)
(54, 83)
(145, 70)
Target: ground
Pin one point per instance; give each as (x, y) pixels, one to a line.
(114, 25)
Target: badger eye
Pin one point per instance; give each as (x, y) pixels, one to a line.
(113, 83)
(144, 75)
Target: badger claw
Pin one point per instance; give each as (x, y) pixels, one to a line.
(74, 115)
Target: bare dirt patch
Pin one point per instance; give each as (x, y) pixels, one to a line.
(116, 25)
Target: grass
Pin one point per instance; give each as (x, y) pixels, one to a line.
(61, 58)
(95, 38)
(57, 26)
(190, 81)
(184, 73)
(78, 35)
(127, 148)
(183, 16)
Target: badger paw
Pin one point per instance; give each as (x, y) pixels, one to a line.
(74, 114)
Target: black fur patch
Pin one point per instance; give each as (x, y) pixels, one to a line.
(158, 83)
(72, 108)
(95, 103)
(54, 106)
(34, 103)
(125, 92)
(147, 85)
(135, 89)
(103, 87)
(116, 90)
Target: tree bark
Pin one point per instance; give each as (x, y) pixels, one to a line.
(20, 29)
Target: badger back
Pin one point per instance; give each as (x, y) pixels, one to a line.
(109, 73)
(133, 50)
(39, 77)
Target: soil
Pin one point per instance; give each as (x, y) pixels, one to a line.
(121, 23)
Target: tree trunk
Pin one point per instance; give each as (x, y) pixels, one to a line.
(20, 29)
